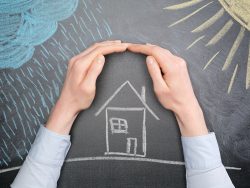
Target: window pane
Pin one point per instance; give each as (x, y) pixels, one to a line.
(115, 120)
(123, 127)
(122, 121)
(118, 125)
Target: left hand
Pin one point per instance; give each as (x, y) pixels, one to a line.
(80, 84)
(173, 87)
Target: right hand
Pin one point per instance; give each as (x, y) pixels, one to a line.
(173, 88)
(79, 88)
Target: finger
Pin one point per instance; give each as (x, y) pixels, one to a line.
(94, 70)
(102, 50)
(91, 48)
(162, 56)
(99, 44)
(155, 73)
(82, 65)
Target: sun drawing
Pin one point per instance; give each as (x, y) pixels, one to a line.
(239, 11)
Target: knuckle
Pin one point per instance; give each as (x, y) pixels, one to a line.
(98, 48)
(94, 45)
(77, 66)
(167, 52)
(155, 49)
(88, 89)
(160, 91)
(181, 62)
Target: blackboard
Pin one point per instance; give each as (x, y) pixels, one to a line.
(207, 34)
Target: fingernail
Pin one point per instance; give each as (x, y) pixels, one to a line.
(149, 60)
(118, 41)
(100, 59)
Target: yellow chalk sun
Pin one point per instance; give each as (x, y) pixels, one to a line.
(239, 11)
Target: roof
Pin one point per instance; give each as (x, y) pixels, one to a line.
(136, 93)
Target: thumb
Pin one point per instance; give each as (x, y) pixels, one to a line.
(155, 72)
(95, 70)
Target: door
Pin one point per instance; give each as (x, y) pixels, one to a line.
(131, 146)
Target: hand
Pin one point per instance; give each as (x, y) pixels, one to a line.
(173, 87)
(80, 84)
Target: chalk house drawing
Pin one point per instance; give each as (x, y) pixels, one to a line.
(239, 10)
(126, 125)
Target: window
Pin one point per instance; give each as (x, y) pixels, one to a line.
(118, 125)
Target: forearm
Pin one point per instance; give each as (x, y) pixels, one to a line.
(42, 166)
(191, 120)
(203, 163)
(61, 118)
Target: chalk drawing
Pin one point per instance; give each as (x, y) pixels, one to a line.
(232, 79)
(211, 60)
(136, 93)
(119, 158)
(196, 40)
(26, 24)
(119, 125)
(183, 5)
(239, 12)
(132, 146)
(128, 129)
(28, 93)
(190, 15)
(248, 69)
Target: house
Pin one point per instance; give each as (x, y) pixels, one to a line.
(125, 111)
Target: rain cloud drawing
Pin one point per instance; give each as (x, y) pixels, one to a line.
(26, 24)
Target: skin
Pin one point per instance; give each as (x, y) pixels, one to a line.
(169, 74)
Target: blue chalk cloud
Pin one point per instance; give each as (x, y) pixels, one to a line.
(25, 24)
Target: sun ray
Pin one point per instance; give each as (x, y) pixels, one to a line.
(248, 70)
(221, 33)
(239, 13)
(183, 5)
(189, 15)
(211, 60)
(210, 21)
(232, 79)
(193, 43)
(234, 48)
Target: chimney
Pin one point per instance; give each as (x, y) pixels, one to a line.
(143, 93)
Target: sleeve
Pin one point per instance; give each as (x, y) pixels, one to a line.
(203, 163)
(42, 166)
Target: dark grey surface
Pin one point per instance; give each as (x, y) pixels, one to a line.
(134, 21)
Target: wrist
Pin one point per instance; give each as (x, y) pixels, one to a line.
(61, 118)
(191, 121)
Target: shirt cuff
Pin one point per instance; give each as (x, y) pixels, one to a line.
(49, 148)
(201, 152)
